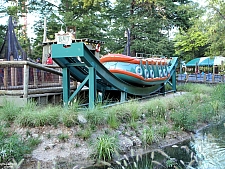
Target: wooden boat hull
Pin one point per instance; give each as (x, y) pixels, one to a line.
(139, 72)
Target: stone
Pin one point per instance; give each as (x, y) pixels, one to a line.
(81, 119)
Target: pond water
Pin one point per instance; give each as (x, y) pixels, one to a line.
(209, 146)
(206, 150)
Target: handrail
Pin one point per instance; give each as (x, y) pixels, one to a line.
(44, 67)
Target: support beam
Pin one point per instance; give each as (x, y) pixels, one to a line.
(92, 87)
(123, 96)
(79, 88)
(174, 81)
(163, 89)
(66, 86)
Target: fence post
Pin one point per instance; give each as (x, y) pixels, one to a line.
(204, 78)
(25, 81)
(6, 76)
(35, 76)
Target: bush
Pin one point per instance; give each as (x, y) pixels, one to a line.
(148, 136)
(14, 147)
(105, 146)
(9, 111)
(96, 116)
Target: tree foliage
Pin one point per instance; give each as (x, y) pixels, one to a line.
(150, 23)
(216, 24)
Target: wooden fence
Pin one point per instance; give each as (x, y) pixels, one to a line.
(22, 77)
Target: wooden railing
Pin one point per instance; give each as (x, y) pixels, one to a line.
(25, 77)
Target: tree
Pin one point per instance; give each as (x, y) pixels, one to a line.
(191, 44)
(150, 22)
(216, 24)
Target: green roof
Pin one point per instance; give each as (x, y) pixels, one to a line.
(206, 61)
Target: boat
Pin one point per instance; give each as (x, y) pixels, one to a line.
(137, 71)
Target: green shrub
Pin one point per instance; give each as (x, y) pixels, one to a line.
(84, 133)
(96, 116)
(105, 146)
(163, 130)
(63, 137)
(14, 147)
(9, 111)
(184, 119)
(148, 136)
(112, 120)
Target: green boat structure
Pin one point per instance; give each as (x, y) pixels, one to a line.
(138, 71)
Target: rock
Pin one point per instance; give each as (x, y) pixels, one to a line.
(81, 119)
(125, 143)
(35, 135)
(136, 141)
(27, 155)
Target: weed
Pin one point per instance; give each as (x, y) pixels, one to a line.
(96, 116)
(49, 136)
(77, 145)
(112, 120)
(33, 142)
(163, 131)
(14, 147)
(105, 146)
(75, 104)
(84, 134)
(63, 137)
(9, 111)
(148, 136)
(69, 118)
(133, 108)
(133, 124)
(28, 133)
(184, 119)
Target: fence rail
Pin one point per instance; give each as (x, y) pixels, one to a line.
(24, 78)
(201, 78)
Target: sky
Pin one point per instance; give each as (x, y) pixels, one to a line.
(31, 18)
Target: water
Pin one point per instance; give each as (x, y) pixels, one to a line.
(209, 146)
(206, 149)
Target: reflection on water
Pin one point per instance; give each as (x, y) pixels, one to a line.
(209, 145)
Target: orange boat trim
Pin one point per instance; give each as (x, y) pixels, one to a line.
(120, 71)
(128, 59)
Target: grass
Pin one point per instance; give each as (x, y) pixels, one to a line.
(63, 137)
(150, 121)
(105, 146)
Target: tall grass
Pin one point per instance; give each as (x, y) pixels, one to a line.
(9, 111)
(105, 146)
(150, 120)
